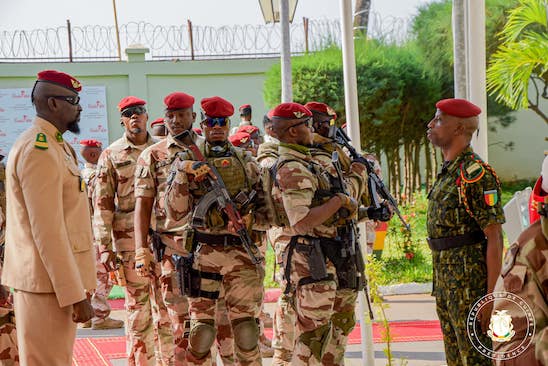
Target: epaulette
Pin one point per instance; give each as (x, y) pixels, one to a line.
(41, 141)
(471, 173)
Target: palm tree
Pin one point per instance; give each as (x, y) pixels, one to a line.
(521, 61)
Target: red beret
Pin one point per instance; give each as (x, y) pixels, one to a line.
(291, 111)
(60, 78)
(270, 113)
(250, 129)
(321, 108)
(178, 100)
(458, 107)
(157, 121)
(130, 101)
(245, 106)
(197, 130)
(239, 138)
(91, 143)
(217, 107)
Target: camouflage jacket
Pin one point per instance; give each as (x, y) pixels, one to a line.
(113, 196)
(239, 172)
(525, 273)
(298, 178)
(88, 175)
(465, 197)
(267, 154)
(151, 176)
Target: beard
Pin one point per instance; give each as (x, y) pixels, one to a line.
(136, 130)
(74, 127)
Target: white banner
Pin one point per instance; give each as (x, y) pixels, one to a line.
(17, 114)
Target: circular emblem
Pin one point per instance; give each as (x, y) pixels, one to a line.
(503, 340)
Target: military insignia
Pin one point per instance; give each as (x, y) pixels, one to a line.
(501, 328)
(473, 173)
(76, 84)
(491, 197)
(225, 163)
(59, 137)
(298, 114)
(243, 140)
(41, 141)
(82, 184)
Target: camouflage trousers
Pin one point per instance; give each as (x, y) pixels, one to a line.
(148, 325)
(243, 294)
(283, 335)
(314, 303)
(99, 301)
(224, 339)
(343, 322)
(176, 304)
(460, 279)
(9, 355)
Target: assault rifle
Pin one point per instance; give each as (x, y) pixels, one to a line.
(219, 194)
(376, 185)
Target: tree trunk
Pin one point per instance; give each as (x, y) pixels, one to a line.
(361, 18)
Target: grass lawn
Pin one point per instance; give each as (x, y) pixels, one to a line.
(394, 266)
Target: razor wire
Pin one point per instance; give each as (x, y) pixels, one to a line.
(98, 43)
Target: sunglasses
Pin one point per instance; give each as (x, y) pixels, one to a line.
(128, 112)
(71, 99)
(219, 121)
(307, 121)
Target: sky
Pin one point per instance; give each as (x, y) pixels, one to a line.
(33, 14)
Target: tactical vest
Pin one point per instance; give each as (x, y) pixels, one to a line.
(276, 210)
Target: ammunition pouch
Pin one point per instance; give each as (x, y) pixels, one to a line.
(381, 213)
(158, 247)
(189, 279)
(315, 256)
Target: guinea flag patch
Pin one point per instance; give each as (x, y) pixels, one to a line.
(491, 197)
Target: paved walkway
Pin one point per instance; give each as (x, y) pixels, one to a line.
(401, 308)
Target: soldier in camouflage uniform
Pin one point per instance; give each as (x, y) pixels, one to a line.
(114, 205)
(464, 228)
(220, 261)
(303, 190)
(525, 273)
(150, 184)
(90, 150)
(9, 355)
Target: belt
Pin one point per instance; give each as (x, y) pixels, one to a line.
(456, 241)
(211, 239)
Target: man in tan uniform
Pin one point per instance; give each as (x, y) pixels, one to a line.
(9, 356)
(48, 228)
(90, 151)
(114, 205)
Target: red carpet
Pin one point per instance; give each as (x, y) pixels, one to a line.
(98, 351)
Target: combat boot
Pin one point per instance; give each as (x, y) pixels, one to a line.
(107, 323)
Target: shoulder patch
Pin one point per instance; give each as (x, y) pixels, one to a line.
(59, 137)
(473, 173)
(41, 141)
(491, 197)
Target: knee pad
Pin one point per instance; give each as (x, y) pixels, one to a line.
(246, 333)
(317, 340)
(201, 337)
(345, 321)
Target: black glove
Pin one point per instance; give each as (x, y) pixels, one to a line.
(382, 213)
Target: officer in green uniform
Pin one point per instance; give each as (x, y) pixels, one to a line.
(464, 228)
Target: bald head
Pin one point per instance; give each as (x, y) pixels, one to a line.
(470, 125)
(42, 90)
(48, 99)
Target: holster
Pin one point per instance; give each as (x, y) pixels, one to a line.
(158, 247)
(188, 281)
(315, 256)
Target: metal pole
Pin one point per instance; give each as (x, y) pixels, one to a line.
(69, 40)
(287, 89)
(305, 24)
(476, 71)
(459, 49)
(117, 30)
(190, 39)
(353, 126)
